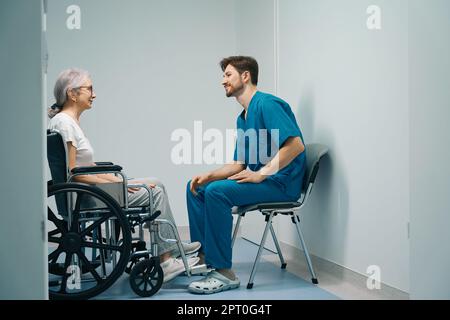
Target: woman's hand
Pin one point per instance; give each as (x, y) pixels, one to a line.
(135, 189)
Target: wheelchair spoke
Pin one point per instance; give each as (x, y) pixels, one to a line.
(54, 239)
(76, 213)
(96, 224)
(141, 282)
(150, 277)
(154, 276)
(58, 223)
(102, 246)
(54, 232)
(52, 257)
(89, 266)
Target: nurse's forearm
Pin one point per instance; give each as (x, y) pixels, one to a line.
(290, 150)
(226, 171)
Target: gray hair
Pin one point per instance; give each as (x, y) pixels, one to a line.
(67, 80)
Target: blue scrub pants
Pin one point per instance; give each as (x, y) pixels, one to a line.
(210, 218)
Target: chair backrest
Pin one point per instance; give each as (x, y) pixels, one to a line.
(57, 162)
(314, 152)
(56, 155)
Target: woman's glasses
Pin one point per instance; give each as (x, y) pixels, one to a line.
(90, 88)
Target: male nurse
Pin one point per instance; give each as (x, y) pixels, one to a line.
(269, 165)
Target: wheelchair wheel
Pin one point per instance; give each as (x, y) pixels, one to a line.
(146, 278)
(89, 251)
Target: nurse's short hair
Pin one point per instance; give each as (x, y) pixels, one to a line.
(69, 79)
(242, 64)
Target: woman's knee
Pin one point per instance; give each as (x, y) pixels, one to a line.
(157, 182)
(157, 191)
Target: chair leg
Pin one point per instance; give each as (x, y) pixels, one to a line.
(236, 228)
(277, 245)
(296, 221)
(260, 250)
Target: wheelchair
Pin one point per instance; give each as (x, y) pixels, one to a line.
(92, 236)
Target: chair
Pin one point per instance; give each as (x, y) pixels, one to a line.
(314, 153)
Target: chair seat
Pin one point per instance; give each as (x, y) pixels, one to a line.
(266, 206)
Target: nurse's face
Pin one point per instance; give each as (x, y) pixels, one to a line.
(232, 81)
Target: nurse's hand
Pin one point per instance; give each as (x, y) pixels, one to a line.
(197, 181)
(248, 176)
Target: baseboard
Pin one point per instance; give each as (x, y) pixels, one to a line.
(336, 279)
(343, 282)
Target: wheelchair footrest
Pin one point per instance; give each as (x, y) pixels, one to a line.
(201, 269)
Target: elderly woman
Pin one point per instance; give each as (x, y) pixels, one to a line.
(75, 94)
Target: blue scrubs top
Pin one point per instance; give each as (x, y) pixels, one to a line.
(269, 123)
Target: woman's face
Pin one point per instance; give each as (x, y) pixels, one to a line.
(86, 94)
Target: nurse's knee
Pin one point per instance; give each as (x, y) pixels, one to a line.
(214, 188)
(188, 189)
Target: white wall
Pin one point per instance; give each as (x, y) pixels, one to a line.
(155, 67)
(255, 34)
(255, 37)
(430, 138)
(23, 253)
(348, 87)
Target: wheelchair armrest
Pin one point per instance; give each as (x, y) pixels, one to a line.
(104, 163)
(155, 215)
(96, 169)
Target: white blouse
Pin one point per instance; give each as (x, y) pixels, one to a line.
(71, 132)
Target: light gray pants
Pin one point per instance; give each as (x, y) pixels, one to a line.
(161, 203)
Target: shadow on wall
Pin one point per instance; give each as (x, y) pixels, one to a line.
(326, 213)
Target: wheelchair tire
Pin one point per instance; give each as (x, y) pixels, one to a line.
(72, 244)
(146, 278)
